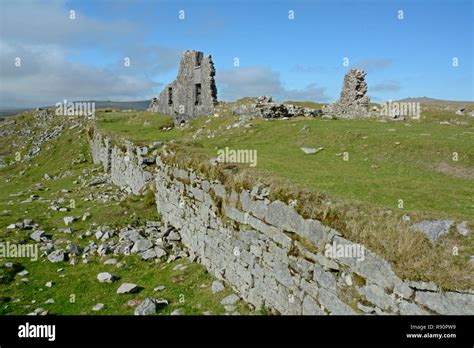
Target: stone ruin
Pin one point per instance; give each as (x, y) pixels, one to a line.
(264, 107)
(193, 93)
(353, 103)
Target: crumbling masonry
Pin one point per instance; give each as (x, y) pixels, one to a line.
(353, 103)
(194, 91)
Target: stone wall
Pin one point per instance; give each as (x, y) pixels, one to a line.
(126, 165)
(273, 257)
(193, 93)
(101, 150)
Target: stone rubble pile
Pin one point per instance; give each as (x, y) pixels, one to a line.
(435, 229)
(264, 107)
(152, 241)
(44, 134)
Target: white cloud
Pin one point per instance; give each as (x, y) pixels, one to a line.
(386, 86)
(44, 37)
(372, 65)
(310, 93)
(35, 22)
(256, 81)
(302, 68)
(46, 76)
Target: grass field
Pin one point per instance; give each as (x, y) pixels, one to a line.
(367, 176)
(427, 165)
(387, 161)
(76, 289)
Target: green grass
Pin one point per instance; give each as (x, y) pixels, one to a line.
(377, 171)
(141, 127)
(188, 289)
(411, 161)
(389, 163)
(79, 290)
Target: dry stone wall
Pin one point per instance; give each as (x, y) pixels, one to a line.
(101, 150)
(272, 256)
(126, 165)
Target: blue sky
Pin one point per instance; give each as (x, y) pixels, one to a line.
(299, 59)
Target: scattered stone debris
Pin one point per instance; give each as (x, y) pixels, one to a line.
(98, 307)
(232, 299)
(433, 229)
(56, 256)
(146, 307)
(159, 288)
(128, 288)
(110, 262)
(309, 150)
(43, 133)
(463, 228)
(69, 220)
(38, 236)
(106, 277)
(217, 286)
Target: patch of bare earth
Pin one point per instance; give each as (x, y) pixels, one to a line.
(455, 171)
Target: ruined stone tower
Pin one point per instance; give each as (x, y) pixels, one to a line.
(194, 91)
(353, 102)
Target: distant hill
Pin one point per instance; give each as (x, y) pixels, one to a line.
(10, 112)
(305, 104)
(427, 100)
(136, 105)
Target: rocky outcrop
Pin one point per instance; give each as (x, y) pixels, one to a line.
(353, 102)
(193, 93)
(264, 107)
(43, 131)
(274, 258)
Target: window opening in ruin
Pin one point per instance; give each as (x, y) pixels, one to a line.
(198, 60)
(170, 96)
(197, 93)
